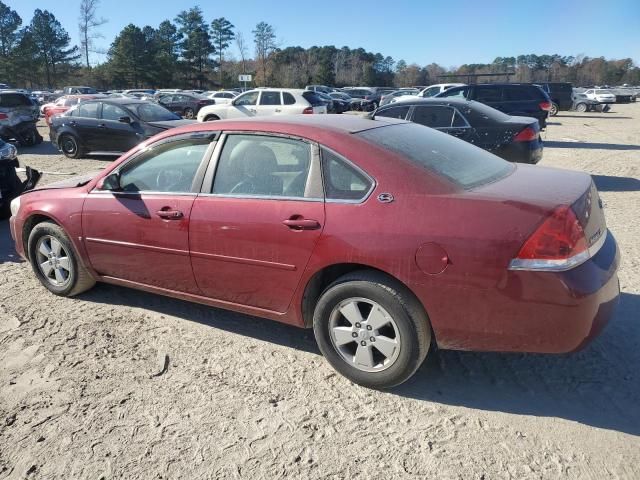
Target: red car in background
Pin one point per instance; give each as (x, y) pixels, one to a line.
(63, 104)
(383, 236)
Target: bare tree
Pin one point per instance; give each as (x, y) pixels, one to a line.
(242, 49)
(87, 23)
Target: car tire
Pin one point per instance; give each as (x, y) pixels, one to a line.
(581, 107)
(554, 109)
(400, 324)
(70, 146)
(188, 113)
(48, 247)
(211, 118)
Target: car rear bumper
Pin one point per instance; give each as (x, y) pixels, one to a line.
(536, 312)
(522, 152)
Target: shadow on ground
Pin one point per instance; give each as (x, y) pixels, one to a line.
(598, 386)
(583, 145)
(607, 183)
(7, 250)
(608, 116)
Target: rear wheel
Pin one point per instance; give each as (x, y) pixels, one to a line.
(70, 146)
(371, 330)
(188, 113)
(554, 109)
(55, 262)
(581, 107)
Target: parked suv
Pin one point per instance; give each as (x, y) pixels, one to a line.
(518, 99)
(265, 102)
(560, 95)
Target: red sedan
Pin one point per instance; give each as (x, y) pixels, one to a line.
(63, 104)
(385, 237)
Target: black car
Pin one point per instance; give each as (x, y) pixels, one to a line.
(341, 101)
(366, 98)
(516, 139)
(184, 103)
(560, 94)
(109, 127)
(511, 98)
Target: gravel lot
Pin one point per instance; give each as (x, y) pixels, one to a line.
(122, 384)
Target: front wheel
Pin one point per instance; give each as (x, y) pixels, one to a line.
(55, 262)
(371, 329)
(188, 113)
(581, 107)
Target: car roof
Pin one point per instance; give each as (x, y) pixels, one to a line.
(434, 100)
(121, 100)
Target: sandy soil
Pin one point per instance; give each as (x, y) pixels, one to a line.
(122, 384)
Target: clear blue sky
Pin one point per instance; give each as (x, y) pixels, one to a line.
(422, 31)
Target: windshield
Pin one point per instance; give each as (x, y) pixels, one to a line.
(151, 112)
(457, 161)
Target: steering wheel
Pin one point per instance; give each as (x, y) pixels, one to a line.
(244, 186)
(166, 180)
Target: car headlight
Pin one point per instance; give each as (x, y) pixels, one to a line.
(15, 206)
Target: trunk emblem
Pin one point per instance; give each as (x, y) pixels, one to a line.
(385, 198)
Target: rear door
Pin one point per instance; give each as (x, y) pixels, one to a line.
(86, 121)
(270, 103)
(118, 136)
(255, 226)
(491, 95)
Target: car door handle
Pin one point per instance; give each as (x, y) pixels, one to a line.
(301, 223)
(73, 123)
(102, 125)
(252, 110)
(168, 214)
(278, 110)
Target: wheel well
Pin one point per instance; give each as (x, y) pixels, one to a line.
(211, 115)
(29, 225)
(325, 277)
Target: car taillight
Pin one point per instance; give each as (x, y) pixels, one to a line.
(526, 135)
(4, 116)
(546, 106)
(557, 245)
(308, 110)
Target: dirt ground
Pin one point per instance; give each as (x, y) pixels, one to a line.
(122, 384)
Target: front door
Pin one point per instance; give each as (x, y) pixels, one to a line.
(141, 232)
(85, 119)
(118, 136)
(252, 233)
(244, 105)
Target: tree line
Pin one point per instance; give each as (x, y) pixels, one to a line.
(193, 52)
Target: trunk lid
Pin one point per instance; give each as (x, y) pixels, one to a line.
(167, 124)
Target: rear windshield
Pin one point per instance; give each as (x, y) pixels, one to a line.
(151, 112)
(457, 161)
(313, 98)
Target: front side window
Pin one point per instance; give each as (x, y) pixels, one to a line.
(250, 98)
(263, 166)
(270, 98)
(87, 110)
(486, 94)
(394, 112)
(434, 116)
(112, 112)
(342, 181)
(170, 167)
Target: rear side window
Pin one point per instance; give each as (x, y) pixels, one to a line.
(313, 98)
(87, 110)
(342, 181)
(487, 94)
(434, 116)
(455, 92)
(288, 99)
(522, 92)
(459, 162)
(394, 112)
(270, 98)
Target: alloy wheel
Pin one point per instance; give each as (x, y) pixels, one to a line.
(69, 145)
(364, 334)
(53, 261)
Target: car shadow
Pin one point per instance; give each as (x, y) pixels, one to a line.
(598, 386)
(607, 183)
(589, 145)
(44, 148)
(608, 115)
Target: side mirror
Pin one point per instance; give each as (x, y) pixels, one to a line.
(125, 119)
(111, 182)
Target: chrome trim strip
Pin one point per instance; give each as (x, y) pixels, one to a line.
(152, 248)
(259, 197)
(246, 261)
(540, 265)
(141, 193)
